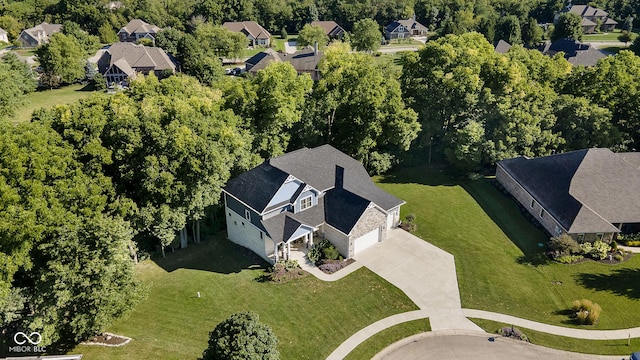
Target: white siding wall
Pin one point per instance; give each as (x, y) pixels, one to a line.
(338, 239)
(246, 235)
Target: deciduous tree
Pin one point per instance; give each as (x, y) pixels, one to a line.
(366, 35)
(242, 336)
(310, 35)
(62, 59)
(569, 25)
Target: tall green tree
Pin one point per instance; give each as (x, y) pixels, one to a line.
(63, 244)
(569, 25)
(279, 103)
(62, 60)
(508, 29)
(366, 35)
(583, 124)
(531, 33)
(310, 35)
(357, 107)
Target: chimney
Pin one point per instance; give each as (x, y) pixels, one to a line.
(339, 177)
(315, 48)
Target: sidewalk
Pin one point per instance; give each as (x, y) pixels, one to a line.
(553, 329)
(633, 249)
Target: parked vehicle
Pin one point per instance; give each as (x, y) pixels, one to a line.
(635, 356)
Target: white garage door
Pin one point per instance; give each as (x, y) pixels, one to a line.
(366, 240)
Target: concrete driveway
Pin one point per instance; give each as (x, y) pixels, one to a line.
(424, 272)
(445, 346)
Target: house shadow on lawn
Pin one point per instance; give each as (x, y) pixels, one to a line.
(623, 282)
(215, 254)
(506, 214)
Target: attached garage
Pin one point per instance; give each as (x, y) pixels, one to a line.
(366, 240)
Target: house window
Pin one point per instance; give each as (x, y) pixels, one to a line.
(533, 202)
(599, 237)
(235, 223)
(541, 213)
(261, 235)
(580, 238)
(557, 231)
(247, 214)
(243, 223)
(229, 214)
(305, 203)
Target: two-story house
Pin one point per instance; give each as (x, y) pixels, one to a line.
(137, 29)
(122, 61)
(404, 29)
(255, 33)
(305, 195)
(591, 16)
(38, 34)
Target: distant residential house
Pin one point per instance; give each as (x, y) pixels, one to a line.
(590, 194)
(575, 52)
(331, 28)
(255, 33)
(502, 47)
(304, 61)
(38, 34)
(3, 36)
(590, 18)
(137, 29)
(122, 61)
(402, 29)
(294, 200)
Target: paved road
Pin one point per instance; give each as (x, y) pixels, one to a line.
(447, 346)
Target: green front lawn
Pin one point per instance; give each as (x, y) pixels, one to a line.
(310, 317)
(49, 98)
(612, 36)
(602, 347)
(499, 261)
(378, 342)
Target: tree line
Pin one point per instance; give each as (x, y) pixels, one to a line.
(512, 20)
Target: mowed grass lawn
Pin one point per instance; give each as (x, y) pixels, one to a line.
(310, 317)
(499, 263)
(49, 98)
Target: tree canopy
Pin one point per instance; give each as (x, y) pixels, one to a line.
(366, 35)
(242, 336)
(62, 59)
(310, 35)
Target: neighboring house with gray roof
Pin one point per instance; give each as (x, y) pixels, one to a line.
(137, 29)
(38, 34)
(3, 36)
(255, 33)
(591, 16)
(588, 194)
(122, 61)
(304, 61)
(575, 52)
(402, 29)
(331, 28)
(294, 200)
(502, 47)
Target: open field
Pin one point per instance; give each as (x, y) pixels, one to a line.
(310, 317)
(499, 254)
(49, 98)
(602, 347)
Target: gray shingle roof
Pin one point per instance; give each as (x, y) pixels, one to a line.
(410, 23)
(303, 60)
(575, 52)
(316, 167)
(502, 47)
(331, 28)
(257, 186)
(136, 57)
(249, 28)
(338, 207)
(137, 26)
(586, 191)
